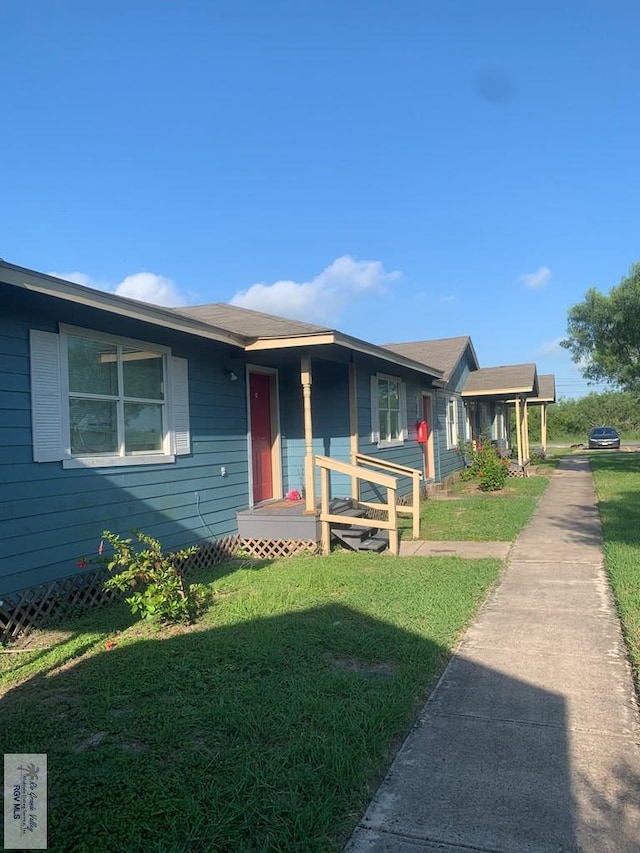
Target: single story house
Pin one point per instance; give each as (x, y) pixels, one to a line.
(121, 415)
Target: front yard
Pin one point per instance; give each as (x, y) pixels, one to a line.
(466, 513)
(265, 727)
(268, 725)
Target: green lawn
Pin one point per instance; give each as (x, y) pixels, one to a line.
(470, 514)
(617, 478)
(265, 727)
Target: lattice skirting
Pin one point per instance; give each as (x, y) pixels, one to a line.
(271, 549)
(211, 553)
(28, 608)
(22, 611)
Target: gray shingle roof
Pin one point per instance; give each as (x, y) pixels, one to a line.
(249, 323)
(546, 389)
(444, 353)
(502, 381)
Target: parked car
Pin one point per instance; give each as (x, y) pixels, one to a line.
(604, 436)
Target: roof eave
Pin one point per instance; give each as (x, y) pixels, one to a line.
(340, 339)
(498, 392)
(69, 291)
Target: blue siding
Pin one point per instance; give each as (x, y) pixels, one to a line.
(450, 459)
(330, 416)
(409, 453)
(49, 516)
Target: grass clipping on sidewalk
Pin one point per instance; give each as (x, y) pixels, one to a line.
(265, 727)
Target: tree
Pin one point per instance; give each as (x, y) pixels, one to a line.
(603, 333)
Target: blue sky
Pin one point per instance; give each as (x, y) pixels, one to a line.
(398, 170)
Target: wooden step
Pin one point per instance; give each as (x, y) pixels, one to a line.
(376, 543)
(359, 538)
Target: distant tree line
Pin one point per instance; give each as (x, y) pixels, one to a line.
(569, 418)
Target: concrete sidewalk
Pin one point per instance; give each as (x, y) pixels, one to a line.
(446, 548)
(530, 741)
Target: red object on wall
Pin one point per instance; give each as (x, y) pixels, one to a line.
(421, 436)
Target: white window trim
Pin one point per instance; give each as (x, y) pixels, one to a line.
(455, 423)
(375, 412)
(50, 396)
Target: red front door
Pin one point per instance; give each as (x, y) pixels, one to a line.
(426, 417)
(261, 438)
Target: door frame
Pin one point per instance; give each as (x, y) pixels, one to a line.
(276, 450)
(428, 455)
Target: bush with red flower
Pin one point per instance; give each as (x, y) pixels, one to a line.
(153, 583)
(486, 465)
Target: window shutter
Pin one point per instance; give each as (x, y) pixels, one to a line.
(375, 414)
(404, 432)
(179, 390)
(413, 418)
(46, 397)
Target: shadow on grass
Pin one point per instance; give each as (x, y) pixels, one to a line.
(58, 634)
(268, 735)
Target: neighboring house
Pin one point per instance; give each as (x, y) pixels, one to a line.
(121, 415)
(546, 396)
(445, 411)
(478, 402)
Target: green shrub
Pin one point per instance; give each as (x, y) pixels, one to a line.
(153, 582)
(487, 466)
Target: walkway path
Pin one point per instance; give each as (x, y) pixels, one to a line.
(530, 740)
(444, 548)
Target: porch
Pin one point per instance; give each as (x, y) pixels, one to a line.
(491, 394)
(357, 523)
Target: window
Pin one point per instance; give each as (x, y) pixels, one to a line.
(99, 400)
(452, 423)
(388, 410)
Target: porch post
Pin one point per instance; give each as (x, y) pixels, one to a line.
(543, 427)
(518, 431)
(353, 424)
(525, 431)
(309, 474)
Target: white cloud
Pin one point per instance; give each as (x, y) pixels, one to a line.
(149, 287)
(144, 286)
(550, 348)
(536, 280)
(448, 300)
(324, 297)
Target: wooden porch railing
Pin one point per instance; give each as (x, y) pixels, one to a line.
(404, 470)
(387, 481)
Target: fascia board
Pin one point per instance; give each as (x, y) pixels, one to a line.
(113, 304)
